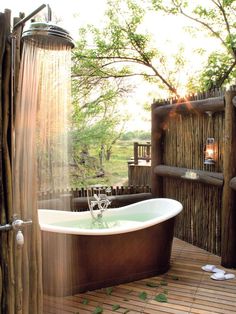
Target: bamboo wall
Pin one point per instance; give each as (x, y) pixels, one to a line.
(179, 131)
(139, 174)
(185, 136)
(20, 268)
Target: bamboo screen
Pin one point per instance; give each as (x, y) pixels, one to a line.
(184, 140)
(183, 146)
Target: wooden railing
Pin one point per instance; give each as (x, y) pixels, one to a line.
(142, 152)
(76, 199)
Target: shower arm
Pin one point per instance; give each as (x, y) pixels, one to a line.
(28, 17)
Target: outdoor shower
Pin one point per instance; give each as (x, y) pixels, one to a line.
(50, 36)
(35, 71)
(47, 32)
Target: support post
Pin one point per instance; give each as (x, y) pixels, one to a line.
(228, 229)
(156, 153)
(136, 153)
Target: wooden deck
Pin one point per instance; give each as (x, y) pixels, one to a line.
(186, 288)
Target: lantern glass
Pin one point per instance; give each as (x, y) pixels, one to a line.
(210, 151)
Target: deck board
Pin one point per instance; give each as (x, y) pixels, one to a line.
(188, 289)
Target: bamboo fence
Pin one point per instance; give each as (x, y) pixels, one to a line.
(179, 131)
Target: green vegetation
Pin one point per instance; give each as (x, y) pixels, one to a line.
(90, 166)
(136, 136)
(115, 169)
(124, 48)
(107, 58)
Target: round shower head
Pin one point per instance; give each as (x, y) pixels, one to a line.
(47, 32)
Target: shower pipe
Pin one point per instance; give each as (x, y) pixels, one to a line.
(28, 17)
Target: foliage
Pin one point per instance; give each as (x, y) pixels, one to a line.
(161, 298)
(136, 135)
(217, 19)
(143, 295)
(123, 49)
(115, 170)
(106, 58)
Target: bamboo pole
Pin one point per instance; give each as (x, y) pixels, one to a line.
(7, 240)
(156, 153)
(2, 218)
(228, 237)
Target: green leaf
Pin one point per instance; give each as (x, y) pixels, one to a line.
(109, 290)
(98, 310)
(85, 301)
(115, 307)
(164, 283)
(152, 284)
(161, 298)
(175, 277)
(143, 295)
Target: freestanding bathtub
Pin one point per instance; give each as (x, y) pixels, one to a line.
(129, 243)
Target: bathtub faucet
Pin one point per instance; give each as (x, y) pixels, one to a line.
(100, 203)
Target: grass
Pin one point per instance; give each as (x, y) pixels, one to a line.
(116, 169)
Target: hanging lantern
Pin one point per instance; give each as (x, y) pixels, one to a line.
(210, 151)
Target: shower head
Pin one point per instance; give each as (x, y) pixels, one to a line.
(47, 33)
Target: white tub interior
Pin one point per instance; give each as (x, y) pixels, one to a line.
(115, 220)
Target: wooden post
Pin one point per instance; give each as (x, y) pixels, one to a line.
(135, 153)
(156, 153)
(148, 152)
(228, 236)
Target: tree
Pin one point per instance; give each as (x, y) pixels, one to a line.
(122, 49)
(217, 19)
(106, 59)
(97, 123)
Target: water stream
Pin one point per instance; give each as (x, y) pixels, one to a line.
(40, 150)
(42, 119)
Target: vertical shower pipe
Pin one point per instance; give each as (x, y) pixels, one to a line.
(228, 232)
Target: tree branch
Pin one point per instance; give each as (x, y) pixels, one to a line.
(221, 8)
(221, 80)
(204, 24)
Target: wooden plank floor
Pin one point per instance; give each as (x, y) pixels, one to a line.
(187, 288)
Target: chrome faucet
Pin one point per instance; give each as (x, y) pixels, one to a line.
(100, 203)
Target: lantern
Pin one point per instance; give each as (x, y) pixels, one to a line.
(210, 151)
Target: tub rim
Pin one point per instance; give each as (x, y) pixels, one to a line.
(175, 210)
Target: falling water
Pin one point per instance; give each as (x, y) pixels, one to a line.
(43, 118)
(40, 154)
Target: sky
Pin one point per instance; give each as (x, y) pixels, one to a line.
(73, 14)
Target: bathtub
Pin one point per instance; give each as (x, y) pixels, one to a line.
(129, 243)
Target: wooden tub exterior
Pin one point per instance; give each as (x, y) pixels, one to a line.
(78, 263)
